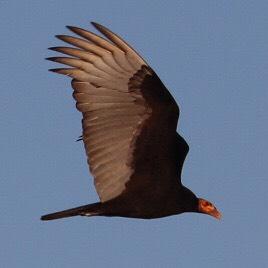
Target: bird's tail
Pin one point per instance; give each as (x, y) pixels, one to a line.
(87, 210)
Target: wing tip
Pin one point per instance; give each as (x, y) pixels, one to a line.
(61, 36)
(51, 48)
(61, 49)
(94, 23)
(52, 59)
(98, 26)
(69, 27)
(53, 70)
(58, 70)
(73, 29)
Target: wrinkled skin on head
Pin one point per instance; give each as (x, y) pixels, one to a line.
(207, 207)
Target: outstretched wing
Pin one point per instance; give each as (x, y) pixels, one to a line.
(129, 118)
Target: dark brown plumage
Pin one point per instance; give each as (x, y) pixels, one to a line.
(129, 131)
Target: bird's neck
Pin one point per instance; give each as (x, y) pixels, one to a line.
(190, 201)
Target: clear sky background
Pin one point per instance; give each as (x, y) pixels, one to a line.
(213, 57)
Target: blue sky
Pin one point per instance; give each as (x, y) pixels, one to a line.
(212, 55)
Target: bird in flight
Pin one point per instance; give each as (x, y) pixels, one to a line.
(129, 130)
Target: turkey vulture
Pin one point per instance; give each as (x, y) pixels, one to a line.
(129, 130)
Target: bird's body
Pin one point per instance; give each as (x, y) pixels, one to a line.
(129, 130)
(142, 207)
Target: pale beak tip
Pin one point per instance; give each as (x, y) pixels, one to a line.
(218, 215)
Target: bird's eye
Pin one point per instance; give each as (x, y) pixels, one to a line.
(207, 204)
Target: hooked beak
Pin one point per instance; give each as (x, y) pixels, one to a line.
(215, 213)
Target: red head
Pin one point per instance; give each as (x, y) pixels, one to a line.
(206, 207)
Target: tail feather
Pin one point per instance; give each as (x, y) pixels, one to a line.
(87, 210)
